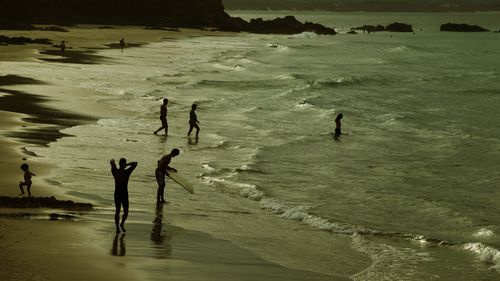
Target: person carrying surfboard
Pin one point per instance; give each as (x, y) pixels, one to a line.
(121, 175)
(161, 171)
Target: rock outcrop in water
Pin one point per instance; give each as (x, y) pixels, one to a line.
(285, 25)
(370, 28)
(461, 27)
(158, 13)
(393, 27)
(399, 27)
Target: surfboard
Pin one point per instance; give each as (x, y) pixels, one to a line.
(180, 180)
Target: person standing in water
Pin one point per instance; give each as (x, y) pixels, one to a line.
(163, 117)
(338, 130)
(62, 46)
(193, 121)
(121, 175)
(161, 171)
(122, 44)
(27, 179)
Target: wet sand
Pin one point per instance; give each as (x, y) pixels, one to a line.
(44, 239)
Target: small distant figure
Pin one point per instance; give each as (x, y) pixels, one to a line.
(161, 171)
(163, 117)
(27, 179)
(193, 121)
(121, 175)
(62, 46)
(338, 125)
(122, 44)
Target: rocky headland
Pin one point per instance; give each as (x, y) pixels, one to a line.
(158, 13)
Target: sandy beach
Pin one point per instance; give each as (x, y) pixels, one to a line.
(36, 245)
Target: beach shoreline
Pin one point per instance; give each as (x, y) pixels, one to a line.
(34, 113)
(194, 251)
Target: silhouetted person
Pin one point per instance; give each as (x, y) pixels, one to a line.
(338, 125)
(121, 243)
(62, 46)
(27, 179)
(163, 117)
(121, 175)
(161, 171)
(122, 44)
(193, 120)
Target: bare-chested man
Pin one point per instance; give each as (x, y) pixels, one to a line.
(162, 171)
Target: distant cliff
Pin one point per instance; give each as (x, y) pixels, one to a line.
(172, 13)
(114, 12)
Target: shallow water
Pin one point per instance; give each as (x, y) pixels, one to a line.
(409, 193)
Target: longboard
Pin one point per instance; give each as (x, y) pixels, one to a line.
(180, 180)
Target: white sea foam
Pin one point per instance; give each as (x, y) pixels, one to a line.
(486, 253)
(304, 35)
(484, 233)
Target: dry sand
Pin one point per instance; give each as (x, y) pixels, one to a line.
(34, 248)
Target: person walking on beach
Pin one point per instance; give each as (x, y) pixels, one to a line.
(193, 120)
(338, 125)
(163, 117)
(62, 46)
(161, 171)
(121, 175)
(122, 43)
(27, 179)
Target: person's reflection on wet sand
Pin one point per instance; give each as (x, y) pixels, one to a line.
(160, 237)
(118, 242)
(156, 235)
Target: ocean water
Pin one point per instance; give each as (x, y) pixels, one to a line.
(410, 192)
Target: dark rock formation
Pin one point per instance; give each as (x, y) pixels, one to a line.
(462, 27)
(399, 27)
(286, 25)
(27, 26)
(4, 40)
(393, 27)
(42, 202)
(169, 13)
(187, 13)
(370, 28)
(16, 26)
